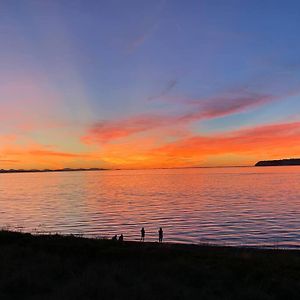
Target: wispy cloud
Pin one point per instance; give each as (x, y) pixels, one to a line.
(8, 161)
(169, 86)
(143, 37)
(225, 105)
(56, 153)
(38, 151)
(106, 131)
(149, 31)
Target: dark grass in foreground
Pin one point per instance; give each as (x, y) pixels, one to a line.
(57, 267)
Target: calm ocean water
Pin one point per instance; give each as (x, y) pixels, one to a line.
(232, 206)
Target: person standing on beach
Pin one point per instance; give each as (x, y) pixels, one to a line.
(143, 234)
(160, 235)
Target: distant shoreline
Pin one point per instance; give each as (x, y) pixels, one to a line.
(4, 171)
(267, 163)
(50, 170)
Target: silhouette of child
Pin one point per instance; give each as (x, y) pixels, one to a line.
(114, 238)
(121, 238)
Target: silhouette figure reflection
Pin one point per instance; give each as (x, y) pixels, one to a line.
(160, 235)
(143, 234)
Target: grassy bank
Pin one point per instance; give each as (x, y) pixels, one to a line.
(57, 267)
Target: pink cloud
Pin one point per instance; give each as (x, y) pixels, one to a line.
(224, 106)
(107, 131)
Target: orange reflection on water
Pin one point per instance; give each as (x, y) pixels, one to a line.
(250, 206)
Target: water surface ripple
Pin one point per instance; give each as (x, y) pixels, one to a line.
(232, 206)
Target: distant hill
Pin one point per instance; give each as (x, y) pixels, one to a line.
(281, 162)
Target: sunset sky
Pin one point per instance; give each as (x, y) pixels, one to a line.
(160, 83)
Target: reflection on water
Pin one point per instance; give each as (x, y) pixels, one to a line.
(233, 206)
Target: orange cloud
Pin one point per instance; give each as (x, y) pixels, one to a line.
(38, 156)
(263, 142)
(56, 154)
(8, 161)
(244, 146)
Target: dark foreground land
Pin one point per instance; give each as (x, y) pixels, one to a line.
(57, 267)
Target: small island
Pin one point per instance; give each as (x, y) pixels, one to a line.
(281, 162)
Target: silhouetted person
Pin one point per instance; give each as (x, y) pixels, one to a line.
(121, 238)
(160, 235)
(114, 238)
(143, 234)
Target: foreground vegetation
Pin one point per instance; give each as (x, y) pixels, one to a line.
(57, 267)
